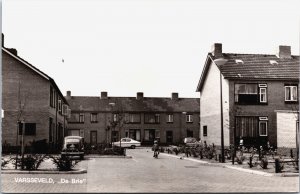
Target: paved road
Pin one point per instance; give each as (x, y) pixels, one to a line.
(143, 173)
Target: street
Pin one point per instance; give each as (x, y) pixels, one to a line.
(143, 173)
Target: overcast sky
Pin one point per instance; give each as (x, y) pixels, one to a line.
(151, 46)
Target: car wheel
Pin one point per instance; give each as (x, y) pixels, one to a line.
(132, 146)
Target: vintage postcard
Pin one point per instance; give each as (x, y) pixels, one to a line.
(170, 96)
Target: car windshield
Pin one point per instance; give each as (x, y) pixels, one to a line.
(73, 140)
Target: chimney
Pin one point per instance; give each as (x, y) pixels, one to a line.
(174, 96)
(103, 95)
(216, 50)
(2, 40)
(13, 51)
(284, 51)
(139, 95)
(68, 95)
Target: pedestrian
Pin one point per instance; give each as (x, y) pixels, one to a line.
(241, 142)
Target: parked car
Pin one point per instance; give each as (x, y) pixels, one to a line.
(73, 146)
(127, 143)
(191, 142)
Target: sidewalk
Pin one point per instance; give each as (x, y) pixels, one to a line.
(229, 165)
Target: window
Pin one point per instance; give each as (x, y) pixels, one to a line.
(135, 118)
(291, 94)
(152, 118)
(170, 118)
(262, 93)
(250, 93)
(50, 129)
(189, 118)
(150, 134)
(30, 129)
(94, 118)
(81, 118)
(205, 130)
(59, 106)
(251, 126)
(157, 134)
(52, 97)
(263, 126)
(115, 117)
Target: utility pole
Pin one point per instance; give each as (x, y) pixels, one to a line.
(222, 129)
(22, 149)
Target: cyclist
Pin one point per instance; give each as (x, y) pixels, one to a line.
(155, 149)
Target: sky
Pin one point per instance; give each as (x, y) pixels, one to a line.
(151, 46)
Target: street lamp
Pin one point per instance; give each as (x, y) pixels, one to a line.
(183, 113)
(112, 104)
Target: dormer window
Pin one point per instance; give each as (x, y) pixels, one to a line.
(239, 61)
(273, 62)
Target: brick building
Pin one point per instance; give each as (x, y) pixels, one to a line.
(141, 118)
(257, 95)
(32, 97)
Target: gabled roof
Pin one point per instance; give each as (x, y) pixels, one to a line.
(36, 70)
(254, 67)
(131, 104)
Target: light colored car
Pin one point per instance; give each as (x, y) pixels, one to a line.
(191, 142)
(127, 143)
(73, 146)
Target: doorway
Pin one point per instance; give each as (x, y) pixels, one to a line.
(93, 138)
(169, 137)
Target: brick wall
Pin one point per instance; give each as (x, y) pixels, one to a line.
(163, 126)
(276, 101)
(22, 85)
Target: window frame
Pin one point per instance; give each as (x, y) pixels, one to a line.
(81, 117)
(259, 95)
(189, 118)
(262, 120)
(27, 129)
(291, 91)
(170, 118)
(94, 118)
(131, 118)
(204, 130)
(156, 117)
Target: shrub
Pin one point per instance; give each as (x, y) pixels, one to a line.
(31, 162)
(64, 163)
(239, 157)
(5, 162)
(264, 163)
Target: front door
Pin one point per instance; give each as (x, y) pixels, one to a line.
(189, 133)
(169, 136)
(93, 137)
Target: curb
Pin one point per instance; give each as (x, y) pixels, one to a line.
(107, 156)
(236, 168)
(76, 171)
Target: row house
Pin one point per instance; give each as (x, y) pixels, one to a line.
(250, 96)
(32, 98)
(141, 118)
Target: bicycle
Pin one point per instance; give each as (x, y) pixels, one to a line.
(156, 152)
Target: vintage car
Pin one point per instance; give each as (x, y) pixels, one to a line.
(127, 143)
(73, 146)
(191, 142)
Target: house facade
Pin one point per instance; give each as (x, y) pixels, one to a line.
(250, 96)
(30, 98)
(105, 119)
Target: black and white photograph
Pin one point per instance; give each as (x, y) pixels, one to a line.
(150, 96)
